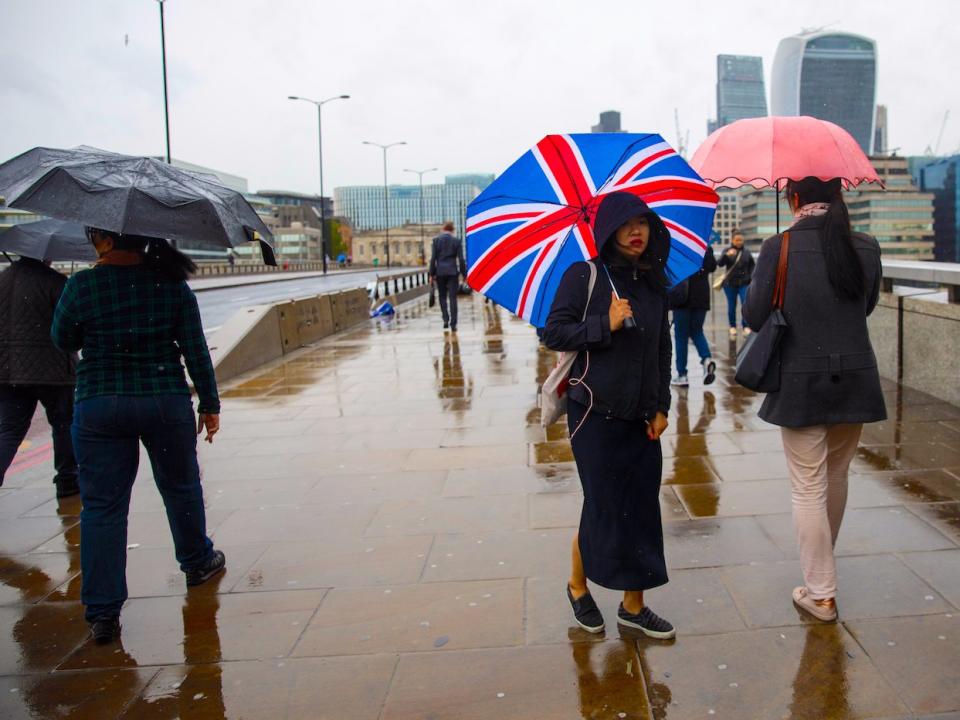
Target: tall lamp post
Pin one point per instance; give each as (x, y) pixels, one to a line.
(423, 247)
(323, 206)
(163, 56)
(386, 191)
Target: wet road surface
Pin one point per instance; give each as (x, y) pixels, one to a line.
(397, 529)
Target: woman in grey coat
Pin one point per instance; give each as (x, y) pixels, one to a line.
(829, 383)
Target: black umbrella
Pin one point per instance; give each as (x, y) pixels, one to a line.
(49, 241)
(131, 195)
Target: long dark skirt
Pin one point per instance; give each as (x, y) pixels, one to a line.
(621, 535)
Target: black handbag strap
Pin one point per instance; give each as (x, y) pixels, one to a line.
(780, 287)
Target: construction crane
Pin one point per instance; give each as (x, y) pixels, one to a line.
(683, 140)
(935, 149)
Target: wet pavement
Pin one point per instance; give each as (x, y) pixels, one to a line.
(397, 529)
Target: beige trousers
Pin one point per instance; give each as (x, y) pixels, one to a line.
(819, 458)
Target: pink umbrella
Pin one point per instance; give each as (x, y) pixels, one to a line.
(768, 151)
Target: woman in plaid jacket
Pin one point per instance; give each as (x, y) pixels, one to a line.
(133, 317)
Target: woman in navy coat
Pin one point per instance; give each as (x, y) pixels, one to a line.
(617, 409)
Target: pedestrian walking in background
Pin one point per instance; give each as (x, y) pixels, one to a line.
(739, 264)
(688, 319)
(133, 317)
(829, 384)
(446, 267)
(617, 409)
(32, 369)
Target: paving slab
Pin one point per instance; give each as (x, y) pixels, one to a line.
(919, 656)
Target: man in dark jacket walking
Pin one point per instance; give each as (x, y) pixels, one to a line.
(446, 266)
(32, 370)
(688, 318)
(739, 263)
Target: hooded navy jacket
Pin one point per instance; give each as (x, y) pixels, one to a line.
(629, 370)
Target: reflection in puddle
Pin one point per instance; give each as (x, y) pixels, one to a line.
(609, 680)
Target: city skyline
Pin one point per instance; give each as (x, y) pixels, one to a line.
(460, 101)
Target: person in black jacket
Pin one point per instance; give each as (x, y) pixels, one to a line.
(688, 319)
(32, 370)
(739, 263)
(446, 266)
(617, 409)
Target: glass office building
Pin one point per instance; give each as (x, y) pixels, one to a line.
(740, 91)
(364, 204)
(940, 179)
(828, 75)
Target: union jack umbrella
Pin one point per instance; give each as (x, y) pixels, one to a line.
(535, 220)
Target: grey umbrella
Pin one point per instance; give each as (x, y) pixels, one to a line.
(48, 240)
(131, 195)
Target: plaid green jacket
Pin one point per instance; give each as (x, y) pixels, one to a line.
(132, 326)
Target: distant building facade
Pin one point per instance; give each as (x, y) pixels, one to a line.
(828, 75)
(758, 214)
(727, 218)
(940, 179)
(406, 248)
(363, 205)
(880, 132)
(609, 123)
(740, 89)
(900, 217)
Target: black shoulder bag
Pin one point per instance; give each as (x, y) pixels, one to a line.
(758, 362)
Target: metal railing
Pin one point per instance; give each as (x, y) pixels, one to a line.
(396, 284)
(934, 276)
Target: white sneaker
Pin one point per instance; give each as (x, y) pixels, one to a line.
(733, 332)
(747, 331)
(680, 381)
(709, 370)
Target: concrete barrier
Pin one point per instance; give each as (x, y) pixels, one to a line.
(249, 339)
(261, 334)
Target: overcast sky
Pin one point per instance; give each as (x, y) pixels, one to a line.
(468, 85)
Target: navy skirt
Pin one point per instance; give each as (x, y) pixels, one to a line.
(621, 533)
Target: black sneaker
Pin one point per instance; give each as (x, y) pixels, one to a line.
(647, 622)
(214, 565)
(586, 612)
(709, 371)
(66, 487)
(105, 630)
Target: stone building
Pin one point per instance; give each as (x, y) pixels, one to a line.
(406, 249)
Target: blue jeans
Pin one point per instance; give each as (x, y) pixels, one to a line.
(107, 431)
(732, 294)
(688, 325)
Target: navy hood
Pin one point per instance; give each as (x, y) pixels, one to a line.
(618, 207)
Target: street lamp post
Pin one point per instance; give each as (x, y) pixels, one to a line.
(423, 247)
(323, 207)
(386, 191)
(163, 55)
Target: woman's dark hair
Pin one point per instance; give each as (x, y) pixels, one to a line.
(843, 263)
(157, 253)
